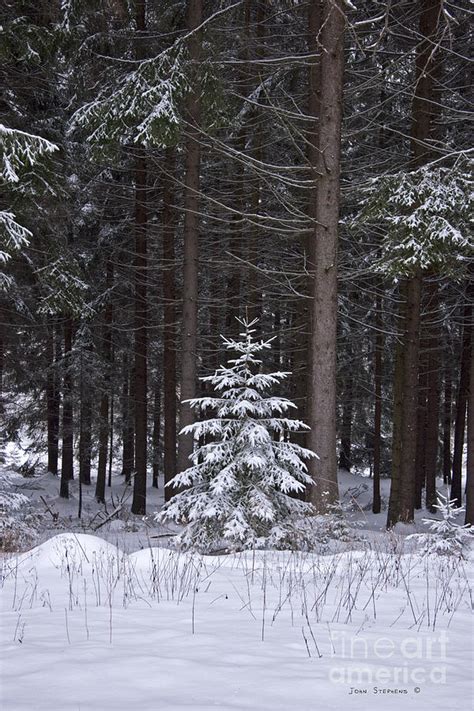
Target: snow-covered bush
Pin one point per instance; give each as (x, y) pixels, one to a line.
(17, 530)
(446, 537)
(245, 472)
(317, 533)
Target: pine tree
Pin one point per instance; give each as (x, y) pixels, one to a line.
(20, 153)
(243, 474)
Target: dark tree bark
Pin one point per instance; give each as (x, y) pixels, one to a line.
(85, 428)
(322, 410)
(67, 466)
(52, 399)
(378, 374)
(141, 346)
(408, 364)
(111, 427)
(169, 328)
(470, 443)
(345, 458)
(128, 430)
(191, 243)
(141, 306)
(404, 443)
(432, 398)
(461, 400)
(105, 387)
(156, 457)
(447, 413)
(302, 371)
(2, 361)
(420, 463)
(254, 288)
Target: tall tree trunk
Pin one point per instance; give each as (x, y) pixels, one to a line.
(239, 228)
(169, 328)
(52, 399)
(85, 427)
(156, 434)
(302, 372)
(141, 310)
(404, 443)
(395, 483)
(67, 467)
(447, 412)
(254, 289)
(191, 243)
(470, 442)
(2, 360)
(140, 369)
(322, 410)
(128, 430)
(432, 397)
(378, 374)
(421, 420)
(409, 367)
(461, 400)
(111, 427)
(345, 458)
(105, 387)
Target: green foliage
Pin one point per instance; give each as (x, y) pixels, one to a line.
(140, 108)
(425, 216)
(27, 43)
(64, 291)
(19, 154)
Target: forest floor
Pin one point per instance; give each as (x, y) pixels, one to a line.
(102, 615)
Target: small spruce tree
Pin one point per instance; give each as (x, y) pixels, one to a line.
(239, 488)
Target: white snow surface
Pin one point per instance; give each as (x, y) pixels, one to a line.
(88, 627)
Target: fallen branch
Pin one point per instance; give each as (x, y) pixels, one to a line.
(114, 513)
(54, 514)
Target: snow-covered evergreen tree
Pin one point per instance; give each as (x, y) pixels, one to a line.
(424, 215)
(446, 537)
(239, 488)
(20, 153)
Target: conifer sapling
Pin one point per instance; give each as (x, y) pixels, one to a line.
(239, 488)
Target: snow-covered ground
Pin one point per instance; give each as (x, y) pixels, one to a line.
(86, 626)
(103, 617)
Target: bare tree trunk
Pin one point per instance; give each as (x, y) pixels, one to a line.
(2, 361)
(128, 430)
(421, 419)
(141, 346)
(191, 244)
(112, 412)
(105, 387)
(406, 364)
(141, 306)
(67, 466)
(376, 501)
(254, 288)
(156, 434)
(302, 371)
(470, 443)
(461, 400)
(52, 400)
(447, 412)
(395, 483)
(409, 367)
(169, 328)
(85, 427)
(322, 410)
(345, 458)
(432, 398)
